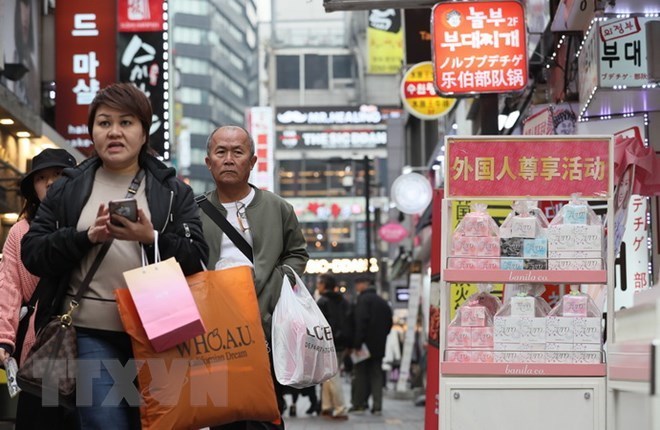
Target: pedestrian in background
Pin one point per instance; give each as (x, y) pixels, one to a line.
(266, 221)
(336, 310)
(17, 286)
(373, 321)
(73, 222)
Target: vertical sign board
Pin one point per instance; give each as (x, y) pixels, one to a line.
(384, 41)
(417, 31)
(588, 67)
(261, 128)
(479, 47)
(431, 405)
(85, 33)
(142, 58)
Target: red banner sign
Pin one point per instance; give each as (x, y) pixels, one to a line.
(85, 62)
(479, 47)
(528, 167)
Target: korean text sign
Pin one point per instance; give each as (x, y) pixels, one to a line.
(521, 167)
(419, 96)
(85, 62)
(479, 47)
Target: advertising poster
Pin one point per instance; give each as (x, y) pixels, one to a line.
(384, 42)
(510, 167)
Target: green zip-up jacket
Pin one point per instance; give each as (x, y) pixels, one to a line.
(277, 240)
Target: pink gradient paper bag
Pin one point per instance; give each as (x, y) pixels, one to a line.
(164, 303)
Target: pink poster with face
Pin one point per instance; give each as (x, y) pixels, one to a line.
(520, 167)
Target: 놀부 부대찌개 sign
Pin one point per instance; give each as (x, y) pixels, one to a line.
(479, 47)
(528, 167)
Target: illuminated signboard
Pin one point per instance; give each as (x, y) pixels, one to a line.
(479, 47)
(341, 265)
(419, 96)
(85, 35)
(142, 60)
(527, 166)
(331, 139)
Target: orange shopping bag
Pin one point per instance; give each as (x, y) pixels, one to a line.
(216, 378)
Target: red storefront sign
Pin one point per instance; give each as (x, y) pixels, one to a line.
(552, 167)
(85, 62)
(479, 47)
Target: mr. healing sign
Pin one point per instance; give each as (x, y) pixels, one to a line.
(479, 47)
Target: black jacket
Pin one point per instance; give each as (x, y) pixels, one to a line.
(336, 310)
(54, 247)
(373, 321)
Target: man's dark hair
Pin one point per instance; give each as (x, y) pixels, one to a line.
(364, 279)
(328, 281)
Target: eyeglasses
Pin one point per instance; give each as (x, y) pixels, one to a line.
(242, 217)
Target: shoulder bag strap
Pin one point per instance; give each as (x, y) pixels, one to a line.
(84, 285)
(225, 226)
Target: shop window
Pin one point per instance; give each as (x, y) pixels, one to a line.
(316, 72)
(288, 72)
(342, 66)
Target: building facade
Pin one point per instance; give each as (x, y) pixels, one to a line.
(215, 58)
(333, 132)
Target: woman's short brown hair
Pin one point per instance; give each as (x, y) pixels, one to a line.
(123, 97)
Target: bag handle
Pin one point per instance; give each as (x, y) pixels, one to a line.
(143, 253)
(84, 285)
(299, 281)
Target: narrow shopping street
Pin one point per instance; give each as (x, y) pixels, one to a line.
(398, 414)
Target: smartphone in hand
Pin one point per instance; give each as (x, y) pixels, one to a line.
(125, 207)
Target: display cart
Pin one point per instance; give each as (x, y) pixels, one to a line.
(523, 395)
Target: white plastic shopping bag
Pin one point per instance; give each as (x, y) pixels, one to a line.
(303, 346)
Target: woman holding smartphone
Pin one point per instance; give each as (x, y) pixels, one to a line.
(74, 220)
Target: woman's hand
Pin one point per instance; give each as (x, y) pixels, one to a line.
(98, 232)
(140, 231)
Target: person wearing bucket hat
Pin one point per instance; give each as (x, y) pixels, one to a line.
(48, 164)
(17, 284)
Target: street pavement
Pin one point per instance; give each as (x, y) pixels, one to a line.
(398, 414)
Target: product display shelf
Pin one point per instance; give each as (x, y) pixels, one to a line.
(634, 365)
(516, 395)
(527, 276)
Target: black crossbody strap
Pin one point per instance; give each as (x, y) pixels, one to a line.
(225, 226)
(84, 285)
